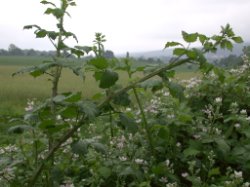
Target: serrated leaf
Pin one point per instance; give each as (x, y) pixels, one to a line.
(179, 51)
(69, 112)
(189, 37)
(100, 63)
(190, 152)
(53, 35)
(41, 33)
(237, 39)
(35, 71)
(78, 53)
(108, 79)
(127, 171)
(57, 12)
(99, 147)
(89, 108)
(61, 46)
(122, 99)
(222, 145)
(104, 172)
(172, 44)
(128, 123)
(80, 148)
(202, 38)
(191, 54)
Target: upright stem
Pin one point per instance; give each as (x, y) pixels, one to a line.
(111, 124)
(144, 120)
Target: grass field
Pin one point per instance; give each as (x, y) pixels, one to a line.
(15, 91)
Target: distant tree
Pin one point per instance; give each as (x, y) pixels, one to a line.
(109, 54)
(246, 50)
(31, 52)
(14, 50)
(3, 52)
(230, 61)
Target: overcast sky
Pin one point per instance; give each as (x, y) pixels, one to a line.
(129, 25)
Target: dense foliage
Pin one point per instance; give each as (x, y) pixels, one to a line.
(152, 132)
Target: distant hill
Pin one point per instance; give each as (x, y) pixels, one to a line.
(163, 54)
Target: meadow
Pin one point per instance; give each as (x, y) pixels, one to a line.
(16, 90)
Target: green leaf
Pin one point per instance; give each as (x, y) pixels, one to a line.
(108, 79)
(172, 44)
(88, 107)
(191, 54)
(57, 12)
(190, 152)
(104, 172)
(53, 35)
(74, 97)
(176, 90)
(154, 85)
(127, 171)
(61, 46)
(80, 148)
(122, 99)
(226, 44)
(47, 2)
(164, 133)
(69, 112)
(77, 52)
(222, 145)
(99, 147)
(100, 63)
(179, 51)
(35, 71)
(189, 37)
(41, 33)
(128, 123)
(202, 38)
(237, 39)
(214, 171)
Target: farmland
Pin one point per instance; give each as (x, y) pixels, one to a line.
(15, 91)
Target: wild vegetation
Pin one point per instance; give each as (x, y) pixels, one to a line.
(188, 133)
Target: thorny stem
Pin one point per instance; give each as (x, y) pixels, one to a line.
(71, 132)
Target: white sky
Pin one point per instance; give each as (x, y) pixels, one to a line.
(129, 25)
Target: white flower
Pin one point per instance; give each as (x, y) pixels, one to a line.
(237, 125)
(128, 109)
(178, 144)
(243, 111)
(58, 117)
(238, 174)
(139, 161)
(123, 158)
(170, 116)
(163, 179)
(218, 99)
(248, 118)
(246, 184)
(184, 174)
(167, 162)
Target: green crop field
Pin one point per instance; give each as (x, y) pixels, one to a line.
(15, 91)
